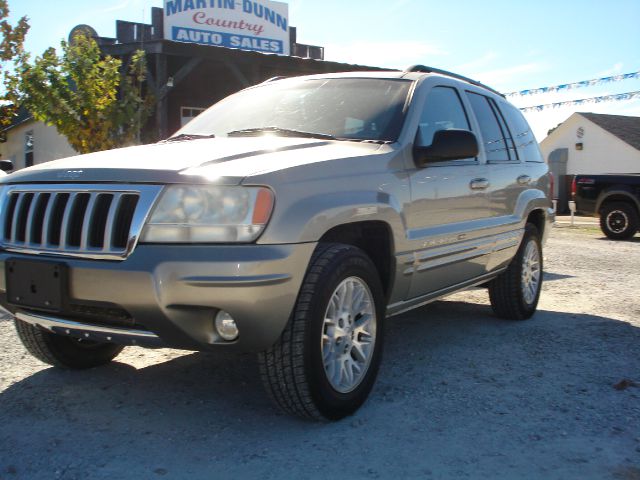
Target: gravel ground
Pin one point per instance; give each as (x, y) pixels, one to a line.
(460, 394)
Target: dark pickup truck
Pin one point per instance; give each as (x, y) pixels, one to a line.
(615, 197)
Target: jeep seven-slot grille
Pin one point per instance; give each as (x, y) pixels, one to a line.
(96, 223)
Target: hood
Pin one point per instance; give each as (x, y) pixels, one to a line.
(217, 160)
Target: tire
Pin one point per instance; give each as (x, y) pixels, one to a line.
(619, 220)
(300, 370)
(514, 294)
(65, 352)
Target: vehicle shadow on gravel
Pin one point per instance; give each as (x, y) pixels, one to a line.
(459, 391)
(635, 239)
(550, 277)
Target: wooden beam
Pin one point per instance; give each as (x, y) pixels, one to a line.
(151, 82)
(162, 104)
(179, 76)
(234, 56)
(238, 73)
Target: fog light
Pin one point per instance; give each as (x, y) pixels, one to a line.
(226, 326)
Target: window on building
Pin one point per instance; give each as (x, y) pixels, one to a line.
(493, 133)
(28, 148)
(189, 113)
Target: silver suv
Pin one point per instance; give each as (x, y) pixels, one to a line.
(289, 219)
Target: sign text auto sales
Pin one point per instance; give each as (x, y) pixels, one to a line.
(259, 25)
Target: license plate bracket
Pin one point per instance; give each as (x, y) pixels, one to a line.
(36, 284)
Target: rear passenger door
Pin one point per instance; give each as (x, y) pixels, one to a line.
(507, 175)
(448, 205)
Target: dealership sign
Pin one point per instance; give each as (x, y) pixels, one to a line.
(259, 25)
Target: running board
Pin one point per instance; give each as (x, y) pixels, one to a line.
(404, 306)
(96, 333)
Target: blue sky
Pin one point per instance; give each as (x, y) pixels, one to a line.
(509, 45)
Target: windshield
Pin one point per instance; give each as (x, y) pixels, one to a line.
(344, 108)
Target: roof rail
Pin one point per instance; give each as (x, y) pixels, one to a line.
(424, 69)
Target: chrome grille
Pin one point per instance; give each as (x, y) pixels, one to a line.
(97, 221)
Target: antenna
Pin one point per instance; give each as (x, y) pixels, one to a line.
(273, 79)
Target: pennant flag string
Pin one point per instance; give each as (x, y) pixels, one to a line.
(571, 86)
(584, 101)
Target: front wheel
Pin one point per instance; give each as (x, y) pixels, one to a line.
(514, 294)
(326, 361)
(618, 220)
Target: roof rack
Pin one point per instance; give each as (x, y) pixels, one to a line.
(424, 69)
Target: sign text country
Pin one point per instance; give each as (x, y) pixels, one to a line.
(221, 39)
(201, 19)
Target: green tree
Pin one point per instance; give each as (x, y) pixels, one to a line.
(95, 101)
(551, 130)
(11, 50)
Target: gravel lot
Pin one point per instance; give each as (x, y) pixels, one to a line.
(460, 394)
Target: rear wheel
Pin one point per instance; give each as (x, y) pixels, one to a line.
(65, 352)
(514, 293)
(619, 220)
(326, 361)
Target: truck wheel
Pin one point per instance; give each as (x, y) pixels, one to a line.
(326, 360)
(514, 293)
(65, 352)
(618, 220)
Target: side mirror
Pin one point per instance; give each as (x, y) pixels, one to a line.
(6, 165)
(451, 144)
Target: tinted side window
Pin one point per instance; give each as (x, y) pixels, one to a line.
(443, 110)
(495, 144)
(522, 134)
(506, 132)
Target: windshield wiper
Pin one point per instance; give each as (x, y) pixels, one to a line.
(367, 140)
(187, 136)
(286, 132)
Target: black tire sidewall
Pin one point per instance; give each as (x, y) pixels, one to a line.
(632, 221)
(70, 352)
(332, 404)
(531, 233)
(64, 352)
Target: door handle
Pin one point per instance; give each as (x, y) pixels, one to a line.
(479, 184)
(524, 179)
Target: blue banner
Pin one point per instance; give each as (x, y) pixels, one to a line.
(571, 86)
(605, 98)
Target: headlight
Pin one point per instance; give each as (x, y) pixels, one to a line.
(209, 214)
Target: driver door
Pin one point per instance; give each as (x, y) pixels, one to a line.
(448, 205)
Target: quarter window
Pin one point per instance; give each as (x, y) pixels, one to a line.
(506, 132)
(522, 135)
(496, 145)
(443, 111)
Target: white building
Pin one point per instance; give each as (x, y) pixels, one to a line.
(591, 143)
(28, 142)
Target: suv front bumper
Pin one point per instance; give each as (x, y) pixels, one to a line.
(169, 295)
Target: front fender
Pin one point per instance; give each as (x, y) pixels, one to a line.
(309, 218)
